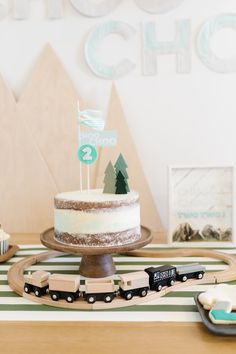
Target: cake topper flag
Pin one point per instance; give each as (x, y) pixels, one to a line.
(91, 118)
(87, 153)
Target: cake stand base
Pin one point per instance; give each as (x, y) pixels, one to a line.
(96, 262)
(97, 266)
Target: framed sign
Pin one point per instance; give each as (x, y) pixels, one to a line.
(201, 205)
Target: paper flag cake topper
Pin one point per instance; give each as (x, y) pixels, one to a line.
(87, 153)
(91, 118)
(115, 180)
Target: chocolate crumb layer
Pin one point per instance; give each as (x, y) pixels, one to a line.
(99, 240)
(84, 206)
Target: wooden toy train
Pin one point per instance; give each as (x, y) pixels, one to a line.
(68, 287)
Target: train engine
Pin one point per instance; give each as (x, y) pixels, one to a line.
(161, 276)
(133, 284)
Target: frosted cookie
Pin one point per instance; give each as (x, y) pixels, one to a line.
(219, 293)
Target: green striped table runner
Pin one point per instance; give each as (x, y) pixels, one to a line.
(177, 306)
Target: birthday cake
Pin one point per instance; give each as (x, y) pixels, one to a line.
(97, 219)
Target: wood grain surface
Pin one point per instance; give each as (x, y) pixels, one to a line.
(111, 338)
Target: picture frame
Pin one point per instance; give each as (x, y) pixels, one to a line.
(201, 208)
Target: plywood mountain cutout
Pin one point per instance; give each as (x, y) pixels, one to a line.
(49, 104)
(24, 175)
(38, 146)
(137, 180)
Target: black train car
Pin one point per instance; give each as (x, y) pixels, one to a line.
(161, 276)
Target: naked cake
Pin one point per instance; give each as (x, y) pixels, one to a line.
(96, 219)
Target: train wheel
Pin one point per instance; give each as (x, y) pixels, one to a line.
(199, 275)
(184, 278)
(27, 289)
(108, 298)
(159, 287)
(128, 295)
(55, 296)
(37, 292)
(143, 292)
(91, 299)
(70, 299)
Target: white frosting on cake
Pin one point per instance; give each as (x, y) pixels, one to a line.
(115, 220)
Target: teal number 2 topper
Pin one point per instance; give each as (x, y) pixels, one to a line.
(87, 154)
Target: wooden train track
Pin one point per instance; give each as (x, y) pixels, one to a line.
(16, 277)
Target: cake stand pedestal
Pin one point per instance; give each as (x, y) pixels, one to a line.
(96, 262)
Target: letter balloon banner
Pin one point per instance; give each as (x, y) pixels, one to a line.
(93, 9)
(91, 47)
(158, 6)
(21, 9)
(55, 9)
(179, 47)
(204, 50)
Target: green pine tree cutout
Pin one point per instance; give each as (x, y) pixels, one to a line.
(121, 185)
(109, 179)
(121, 166)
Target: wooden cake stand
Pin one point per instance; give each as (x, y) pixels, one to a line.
(96, 262)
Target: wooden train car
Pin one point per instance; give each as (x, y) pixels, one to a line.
(133, 284)
(37, 283)
(64, 286)
(99, 289)
(189, 271)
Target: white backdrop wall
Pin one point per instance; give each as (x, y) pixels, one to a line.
(175, 119)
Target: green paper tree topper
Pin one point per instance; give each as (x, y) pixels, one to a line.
(109, 179)
(121, 184)
(121, 166)
(116, 178)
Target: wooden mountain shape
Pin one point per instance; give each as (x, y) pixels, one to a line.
(27, 187)
(137, 180)
(49, 106)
